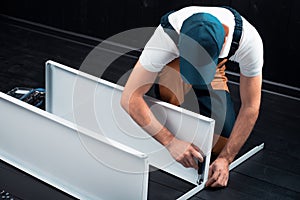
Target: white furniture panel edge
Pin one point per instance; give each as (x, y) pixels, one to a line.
(93, 103)
(71, 158)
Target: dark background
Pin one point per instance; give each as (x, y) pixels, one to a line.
(277, 21)
(274, 173)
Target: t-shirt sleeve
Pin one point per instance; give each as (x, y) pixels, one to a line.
(159, 51)
(250, 58)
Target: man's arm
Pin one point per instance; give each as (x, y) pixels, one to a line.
(250, 93)
(138, 84)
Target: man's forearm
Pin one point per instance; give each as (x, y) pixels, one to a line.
(183, 152)
(242, 128)
(142, 115)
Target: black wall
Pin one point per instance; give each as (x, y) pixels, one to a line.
(278, 22)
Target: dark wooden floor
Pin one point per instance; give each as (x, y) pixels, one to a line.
(273, 173)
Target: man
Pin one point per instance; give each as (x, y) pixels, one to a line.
(187, 52)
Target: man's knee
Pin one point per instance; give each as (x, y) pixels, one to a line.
(218, 144)
(171, 86)
(168, 96)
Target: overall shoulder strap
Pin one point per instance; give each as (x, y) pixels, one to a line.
(168, 28)
(238, 28)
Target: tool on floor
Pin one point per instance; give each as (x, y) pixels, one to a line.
(33, 96)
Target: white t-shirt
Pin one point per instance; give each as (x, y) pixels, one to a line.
(160, 49)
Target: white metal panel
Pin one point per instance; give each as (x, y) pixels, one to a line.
(95, 104)
(73, 159)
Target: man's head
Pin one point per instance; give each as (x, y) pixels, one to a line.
(200, 42)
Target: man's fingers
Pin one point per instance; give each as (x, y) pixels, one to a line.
(192, 162)
(195, 147)
(193, 153)
(188, 156)
(185, 164)
(197, 155)
(216, 184)
(218, 174)
(224, 181)
(212, 179)
(220, 181)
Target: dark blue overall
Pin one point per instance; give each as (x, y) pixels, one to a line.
(214, 103)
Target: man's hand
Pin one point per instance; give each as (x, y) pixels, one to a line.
(185, 153)
(218, 173)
